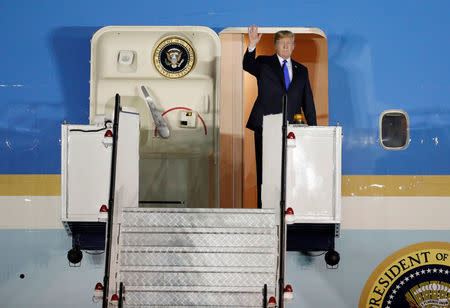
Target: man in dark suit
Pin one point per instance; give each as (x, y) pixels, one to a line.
(276, 75)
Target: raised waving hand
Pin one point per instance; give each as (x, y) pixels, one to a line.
(253, 36)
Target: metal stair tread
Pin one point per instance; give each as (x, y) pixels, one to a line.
(216, 230)
(197, 279)
(211, 289)
(188, 306)
(198, 210)
(212, 260)
(231, 218)
(198, 239)
(198, 249)
(173, 298)
(198, 269)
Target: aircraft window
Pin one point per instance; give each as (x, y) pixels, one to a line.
(394, 130)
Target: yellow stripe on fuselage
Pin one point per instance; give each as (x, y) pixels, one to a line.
(396, 185)
(352, 185)
(30, 184)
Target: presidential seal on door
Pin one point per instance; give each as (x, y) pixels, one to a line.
(174, 57)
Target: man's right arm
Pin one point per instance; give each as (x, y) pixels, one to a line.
(250, 63)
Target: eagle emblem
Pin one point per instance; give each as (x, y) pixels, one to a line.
(174, 57)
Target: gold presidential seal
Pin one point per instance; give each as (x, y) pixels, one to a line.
(174, 57)
(417, 276)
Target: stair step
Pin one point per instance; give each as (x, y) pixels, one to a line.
(153, 249)
(212, 289)
(198, 259)
(194, 296)
(213, 278)
(198, 240)
(186, 306)
(189, 217)
(223, 230)
(197, 269)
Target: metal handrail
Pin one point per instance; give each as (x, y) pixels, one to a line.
(111, 201)
(121, 293)
(265, 296)
(283, 204)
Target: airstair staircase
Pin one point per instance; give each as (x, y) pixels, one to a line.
(195, 257)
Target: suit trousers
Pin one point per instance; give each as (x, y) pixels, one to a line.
(258, 155)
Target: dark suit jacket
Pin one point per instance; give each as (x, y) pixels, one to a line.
(271, 88)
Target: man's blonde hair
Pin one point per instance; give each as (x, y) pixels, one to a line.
(282, 34)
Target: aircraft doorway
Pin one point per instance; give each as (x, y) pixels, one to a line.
(238, 93)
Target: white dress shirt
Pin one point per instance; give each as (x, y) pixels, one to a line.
(288, 64)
